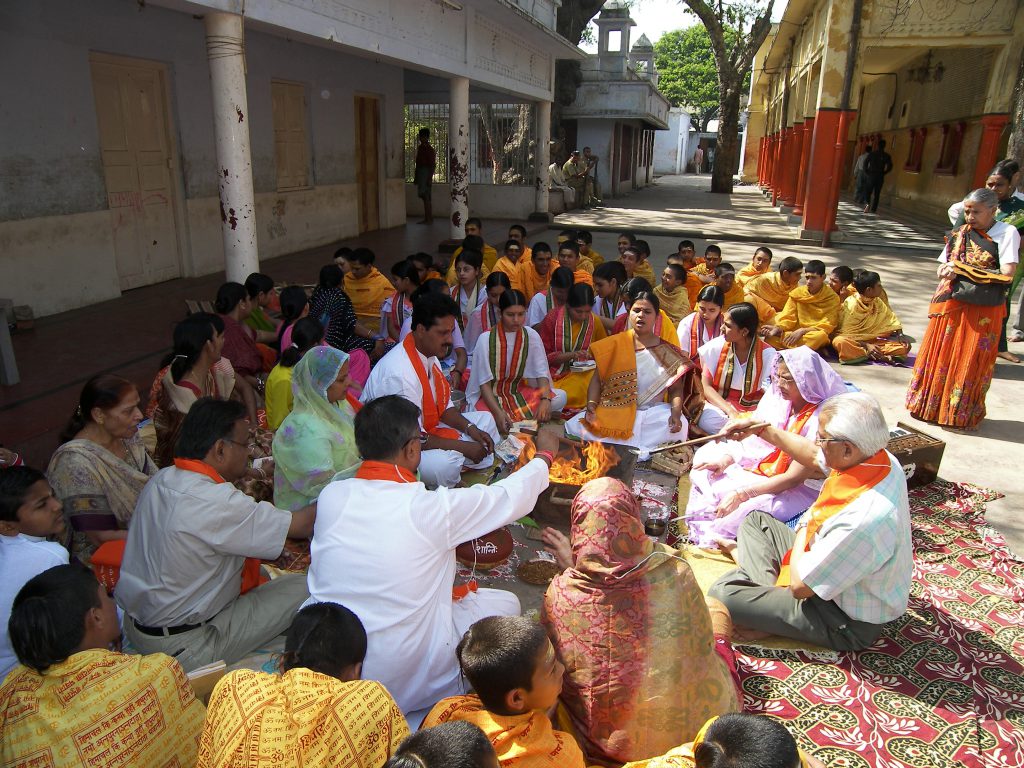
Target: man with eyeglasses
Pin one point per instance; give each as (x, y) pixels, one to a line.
(847, 568)
(385, 549)
(194, 544)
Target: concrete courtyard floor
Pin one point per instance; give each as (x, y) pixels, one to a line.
(129, 335)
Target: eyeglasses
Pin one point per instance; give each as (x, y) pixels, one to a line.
(822, 440)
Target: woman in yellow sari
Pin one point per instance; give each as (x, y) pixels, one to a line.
(317, 711)
(644, 390)
(567, 334)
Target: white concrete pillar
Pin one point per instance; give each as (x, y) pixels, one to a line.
(458, 155)
(225, 49)
(541, 161)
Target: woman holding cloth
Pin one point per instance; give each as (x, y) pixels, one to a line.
(958, 354)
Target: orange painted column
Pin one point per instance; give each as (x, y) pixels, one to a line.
(793, 164)
(773, 148)
(820, 169)
(988, 150)
(760, 161)
(805, 155)
(784, 152)
(778, 164)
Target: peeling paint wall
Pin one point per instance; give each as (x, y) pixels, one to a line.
(53, 204)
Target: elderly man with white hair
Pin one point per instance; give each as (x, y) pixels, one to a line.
(847, 568)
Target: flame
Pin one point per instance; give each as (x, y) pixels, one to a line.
(592, 461)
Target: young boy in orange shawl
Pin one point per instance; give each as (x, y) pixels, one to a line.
(770, 292)
(706, 272)
(367, 288)
(675, 301)
(759, 265)
(509, 261)
(634, 259)
(511, 665)
(733, 291)
(517, 232)
(569, 257)
(868, 329)
(810, 315)
(589, 258)
(840, 280)
(534, 275)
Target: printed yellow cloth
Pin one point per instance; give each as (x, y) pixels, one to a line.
(522, 741)
(368, 296)
(748, 273)
(300, 718)
(644, 270)
(100, 708)
(676, 304)
(693, 286)
(817, 311)
(864, 319)
(768, 294)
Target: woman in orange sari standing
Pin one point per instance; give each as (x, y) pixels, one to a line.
(958, 354)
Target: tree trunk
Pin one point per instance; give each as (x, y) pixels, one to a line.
(727, 152)
(510, 149)
(1015, 149)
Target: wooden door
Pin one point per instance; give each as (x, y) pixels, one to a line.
(368, 162)
(131, 113)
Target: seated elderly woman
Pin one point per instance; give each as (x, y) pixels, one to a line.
(736, 367)
(644, 389)
(730, 480)
(101, 466)
(316, 440)
(317, 711)
(567, 334)
(629, 622)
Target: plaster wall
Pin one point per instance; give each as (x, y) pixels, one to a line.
(53, 208)
(488, 201)
(671, 152)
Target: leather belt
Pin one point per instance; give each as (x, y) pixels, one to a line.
(166, 631)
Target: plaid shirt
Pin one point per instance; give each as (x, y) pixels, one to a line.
(862, 558)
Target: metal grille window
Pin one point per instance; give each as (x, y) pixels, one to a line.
(502, 141)
(434, 117)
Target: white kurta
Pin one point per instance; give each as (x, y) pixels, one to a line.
(394, 375)
(650, 426)
(536, 366)
(386, 550)
(712, 419)
(538, 309)
(685, 329)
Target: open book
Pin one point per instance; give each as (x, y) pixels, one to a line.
(205, 678)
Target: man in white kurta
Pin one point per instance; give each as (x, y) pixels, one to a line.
(403, 370)
(384, 547)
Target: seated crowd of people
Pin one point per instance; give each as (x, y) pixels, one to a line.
(349, 416)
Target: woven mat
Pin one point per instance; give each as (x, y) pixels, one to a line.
(944, 685)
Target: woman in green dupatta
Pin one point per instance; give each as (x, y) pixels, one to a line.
(316, 440)
(1010, 211)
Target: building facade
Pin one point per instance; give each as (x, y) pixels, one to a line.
(172, 138)
(933, 79)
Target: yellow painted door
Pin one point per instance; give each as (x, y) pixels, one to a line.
(367, 162)
(132, 118)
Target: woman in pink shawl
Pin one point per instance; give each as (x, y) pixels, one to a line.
(730, 480)
(644, 669)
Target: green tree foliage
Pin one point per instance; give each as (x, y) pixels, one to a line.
(687, 73)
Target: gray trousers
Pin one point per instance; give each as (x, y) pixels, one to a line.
(248, 622)
(753, 600)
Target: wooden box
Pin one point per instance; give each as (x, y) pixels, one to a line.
(918, 453)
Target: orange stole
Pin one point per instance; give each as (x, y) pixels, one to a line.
(252, 576)
(381, 470)
(434, 400)
(777, 462)
(839, 491)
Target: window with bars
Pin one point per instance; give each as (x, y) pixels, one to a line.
(502, 141)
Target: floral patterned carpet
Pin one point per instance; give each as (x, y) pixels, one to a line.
(944, 685)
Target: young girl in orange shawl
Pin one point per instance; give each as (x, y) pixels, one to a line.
(567, 335)
(510, 375)
(735, 367)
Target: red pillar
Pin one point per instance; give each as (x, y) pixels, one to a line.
(820, 169)
(805, 155)
(766, 181)
(778, 164)
(988, 150)
(760, 161)
(793, 164)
